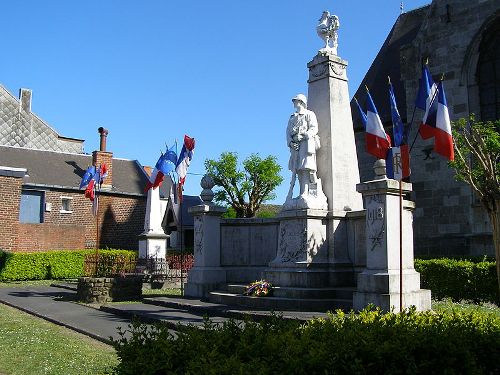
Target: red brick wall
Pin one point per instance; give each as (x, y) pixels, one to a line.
(10, 195)
(104, 157)
(43, 237)
(121, 220)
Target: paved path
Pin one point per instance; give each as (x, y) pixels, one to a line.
(55, 304)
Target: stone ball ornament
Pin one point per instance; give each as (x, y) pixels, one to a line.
(207, 183)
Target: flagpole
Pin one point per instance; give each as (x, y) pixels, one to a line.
(181, 238)
(400, 245)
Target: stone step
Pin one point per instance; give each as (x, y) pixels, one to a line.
(280, 303)
(300, 292)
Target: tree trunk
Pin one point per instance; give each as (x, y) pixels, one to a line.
(495, 223)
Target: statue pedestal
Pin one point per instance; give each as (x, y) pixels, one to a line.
(379, 283)
(302, 259)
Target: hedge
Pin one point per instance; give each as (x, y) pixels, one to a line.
(366, 343)
(48, 265)
(459, 279)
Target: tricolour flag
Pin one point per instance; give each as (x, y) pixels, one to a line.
(377, 141)
(425, 99)
(397, 163)
(443, 139)
(165, 165)
(183, 163)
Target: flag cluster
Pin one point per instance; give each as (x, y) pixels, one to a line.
(92, 181)
(435, 124)
(168, 163)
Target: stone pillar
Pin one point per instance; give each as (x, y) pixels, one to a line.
(328, 98)
(207, 274)
(379, 282)
(153, 241)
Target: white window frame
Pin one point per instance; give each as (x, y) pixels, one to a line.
(68, 199)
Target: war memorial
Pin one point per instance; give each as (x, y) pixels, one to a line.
(335, 245)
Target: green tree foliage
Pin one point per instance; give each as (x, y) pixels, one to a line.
(477, 162)
(245, 190)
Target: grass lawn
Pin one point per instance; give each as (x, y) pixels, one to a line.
(29, 345)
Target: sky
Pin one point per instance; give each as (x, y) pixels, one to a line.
(150, 71)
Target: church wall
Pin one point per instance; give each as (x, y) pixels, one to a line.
(448, 219)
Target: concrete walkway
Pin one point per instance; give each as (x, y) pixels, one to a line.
(56, 304)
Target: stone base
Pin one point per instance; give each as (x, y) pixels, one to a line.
(152, 245)
(202, 280)
(314, 199)
(382, 288)
(320, 277)
(421, 299)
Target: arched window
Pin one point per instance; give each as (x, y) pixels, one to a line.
(488, 73)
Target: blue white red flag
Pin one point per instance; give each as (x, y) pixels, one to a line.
(185, 157)
(183, 163)
(87, 176)
(443, 139)
(425, 100)
(397, 163)
(377, 141)
(165, 165)
(362, 114)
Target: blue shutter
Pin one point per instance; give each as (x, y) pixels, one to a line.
(31, 208)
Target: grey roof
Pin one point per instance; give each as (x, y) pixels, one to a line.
(22, 128)
(387, 63)
(173, 211)
(65, 170)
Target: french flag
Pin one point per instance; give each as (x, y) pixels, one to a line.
(426, 100)
(397, 163)
(165, 164)
(377, 141)
(185, 157)
(443, 138)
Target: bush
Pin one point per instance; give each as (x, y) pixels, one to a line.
(459, 279)
(48, 265)
(368, 342)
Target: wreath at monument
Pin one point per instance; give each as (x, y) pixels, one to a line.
(259, 288)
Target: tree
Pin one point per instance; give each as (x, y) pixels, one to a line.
(244, 190)
(477, 162)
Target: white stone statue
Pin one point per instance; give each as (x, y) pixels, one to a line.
(303, 140)
(327, 30)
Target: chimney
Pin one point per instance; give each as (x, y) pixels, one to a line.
(104, 157)
(25, 100)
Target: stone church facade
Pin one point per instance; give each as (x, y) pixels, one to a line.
(460, 39)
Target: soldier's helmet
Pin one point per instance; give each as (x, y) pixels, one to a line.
(300, 97)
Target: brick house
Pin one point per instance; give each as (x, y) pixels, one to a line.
(41, 205)
(462, 40)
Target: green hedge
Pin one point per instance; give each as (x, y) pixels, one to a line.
(367, 343)
(459, 279)
(48, 265)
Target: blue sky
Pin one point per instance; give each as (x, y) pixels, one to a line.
(221, 71)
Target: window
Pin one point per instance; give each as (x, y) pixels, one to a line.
(66, 205)
(488, 73)
(31, 207)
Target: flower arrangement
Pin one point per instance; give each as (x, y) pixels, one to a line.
(259, 288)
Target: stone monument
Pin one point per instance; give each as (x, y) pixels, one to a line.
(153, 241)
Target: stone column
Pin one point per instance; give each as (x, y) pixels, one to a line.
(379, 282)
(328, 98)
(207, 274)
(153, 241)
